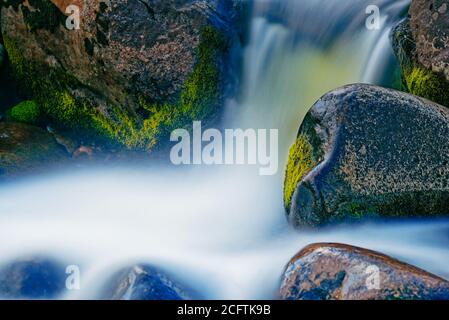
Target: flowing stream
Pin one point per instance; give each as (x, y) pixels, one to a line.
(222, 230)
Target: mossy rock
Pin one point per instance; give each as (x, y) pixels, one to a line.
(25, 112)
(131, 94)
(369, 152)
(27, 149)
(427, 84)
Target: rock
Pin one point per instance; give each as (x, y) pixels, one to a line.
(342, 272)
(422, 46)
(25, 149)
(35, 278)
(365, 151)
(143, 282)
(2, 55)
(133, 72)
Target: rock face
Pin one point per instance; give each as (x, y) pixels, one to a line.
(25, 148)
(143, 282)
(421, 43)
(132, 72)
(365, 151)
(2, 55)
(35, 278)
(342, 272)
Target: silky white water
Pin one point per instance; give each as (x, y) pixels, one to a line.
(222, 230)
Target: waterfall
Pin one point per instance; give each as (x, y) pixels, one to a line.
(300, 49)
(223, 230)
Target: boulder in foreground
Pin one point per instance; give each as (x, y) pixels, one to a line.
(342, 272)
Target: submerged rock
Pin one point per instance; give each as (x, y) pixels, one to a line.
(422, 46)
(25, 148)
(132, 72)
(365, 151)
(143, 282)
(342, 272)
(36, 278)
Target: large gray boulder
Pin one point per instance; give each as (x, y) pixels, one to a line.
(145, 282)
(365, 151)
(326, 271)
(132, 72)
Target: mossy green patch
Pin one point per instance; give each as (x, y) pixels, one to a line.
(300, 162)
(26, 112)
(427, 84)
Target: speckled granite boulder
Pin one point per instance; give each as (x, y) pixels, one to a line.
(342, 272)
(365, 151)
(144, 282)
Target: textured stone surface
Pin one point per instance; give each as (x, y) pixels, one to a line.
(421, 43)
(143, 282)
(130, 61)
(375, 153)
(34, 278)
(25, 148)
(342, 272)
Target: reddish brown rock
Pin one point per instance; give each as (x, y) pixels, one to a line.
(25, 149)
(327, 271)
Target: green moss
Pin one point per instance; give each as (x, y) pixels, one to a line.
(26, 112)
(300, 162)
(15, 58)
(199, 100)
(426, 84)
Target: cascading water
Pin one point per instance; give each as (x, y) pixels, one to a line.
(222, 230)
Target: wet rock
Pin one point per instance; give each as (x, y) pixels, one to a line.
(143, 282)
(25, 149)
(342, 272)
(422, 46)
(134, 70)
(36, 278)
(2, 55)
(365, 151)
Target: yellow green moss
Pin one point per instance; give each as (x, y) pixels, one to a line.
(25, 112)
(427, 84)
(198, 100)
(300, 162)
